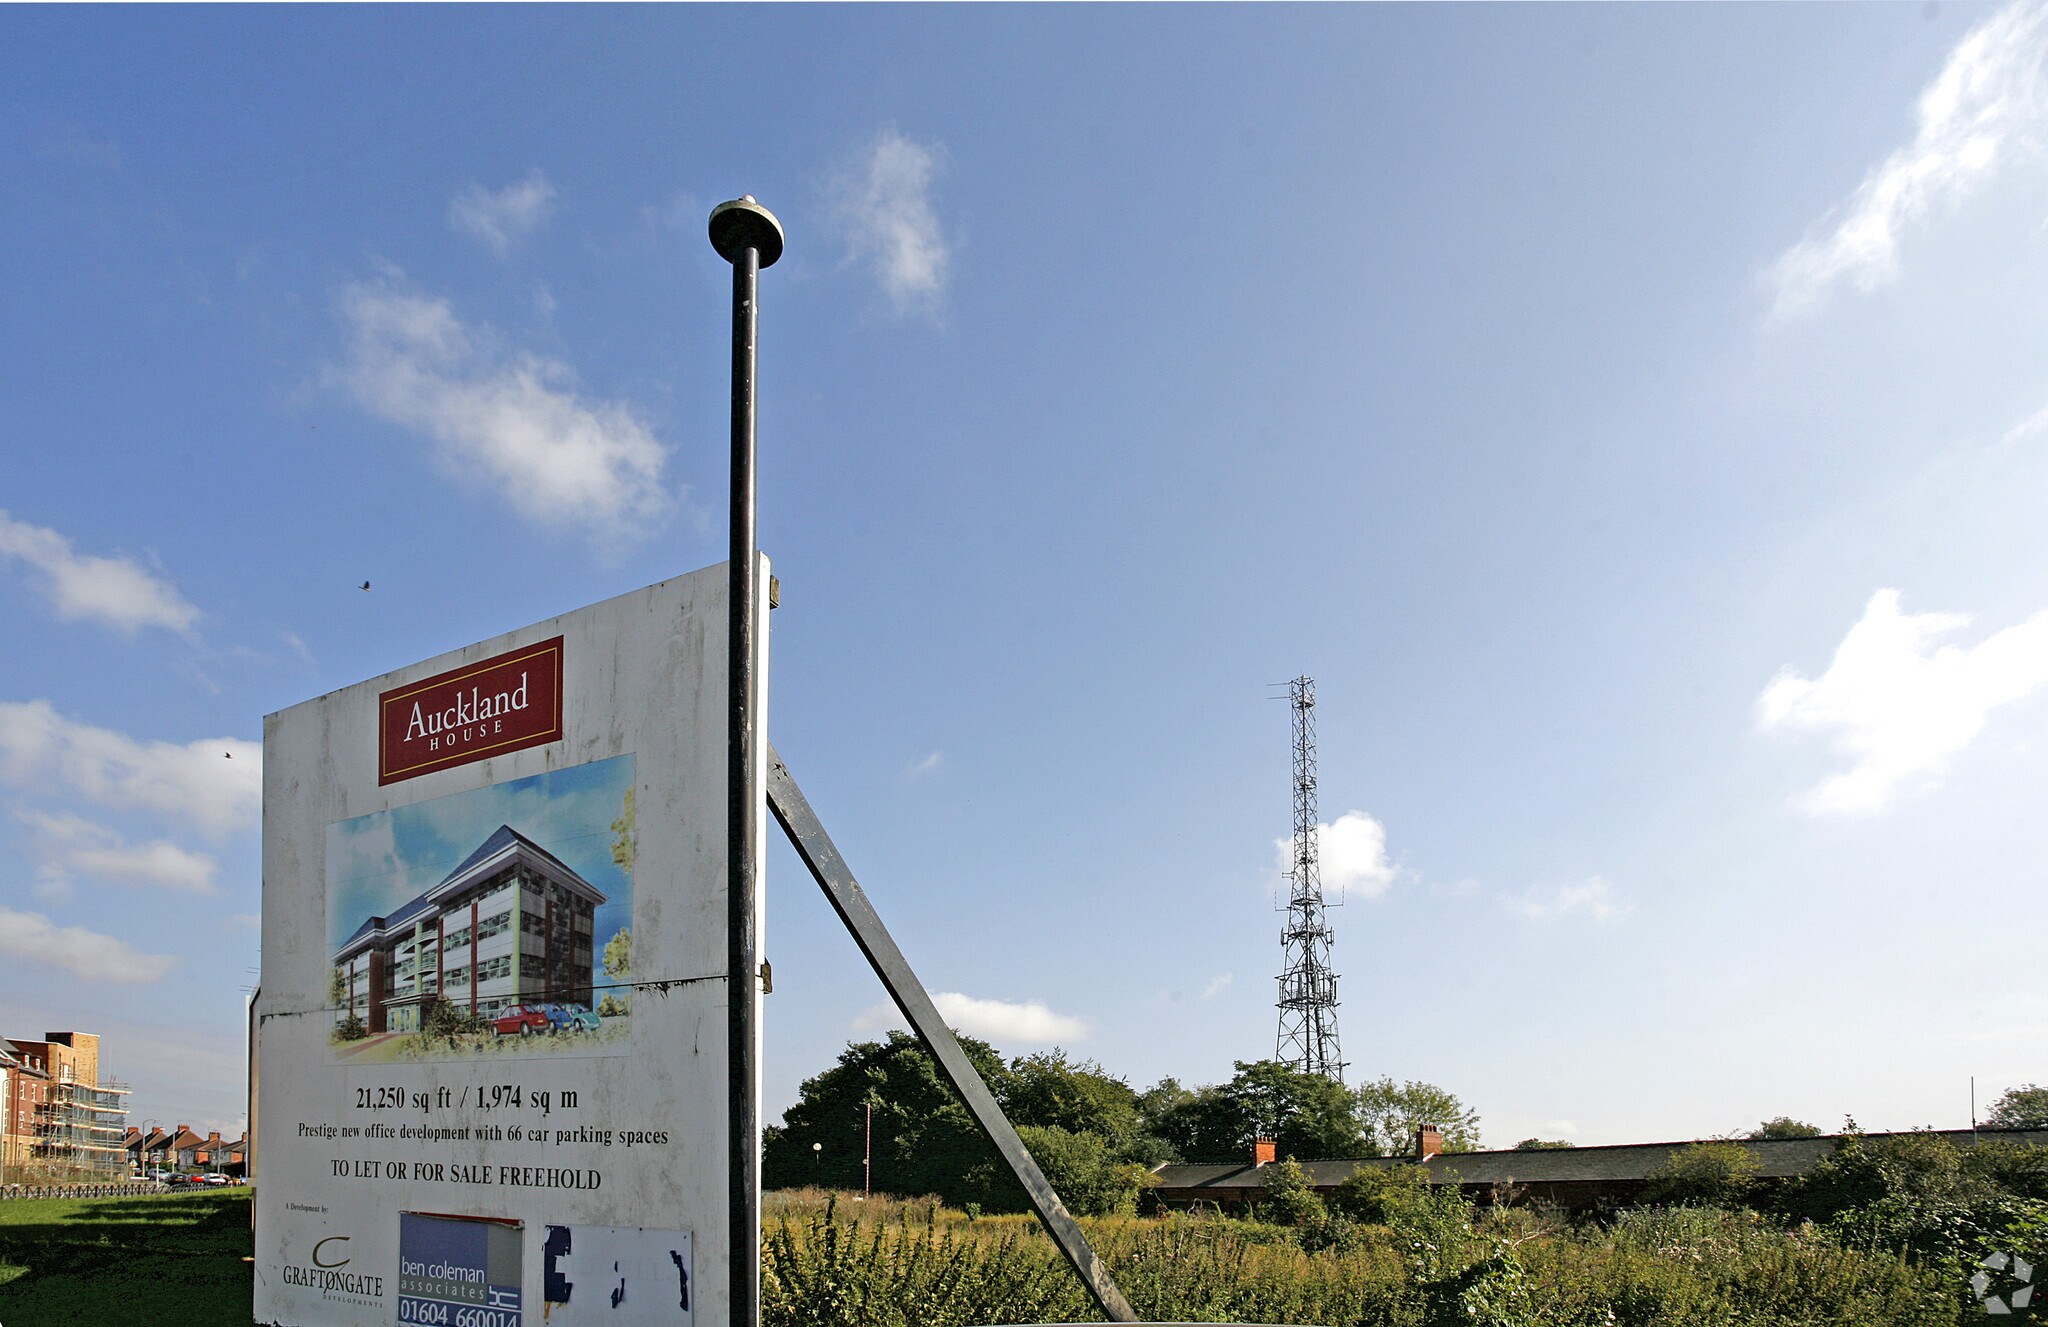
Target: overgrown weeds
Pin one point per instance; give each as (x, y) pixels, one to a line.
(891, 1263)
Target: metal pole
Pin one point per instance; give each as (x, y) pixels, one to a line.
(800, 823)
(867, 1154)
(749, 237)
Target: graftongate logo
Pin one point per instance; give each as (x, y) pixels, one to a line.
(326, 1270)
(2003, 1284)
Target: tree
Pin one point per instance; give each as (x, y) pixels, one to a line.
(1713, 1173)
(2020, 1108)
(1305, 1114)
(625, 837)
(1390, 1115)
(618, 955)
(924, 1139)
(1052, 1091)
(448, 1021)
(1178, 1116)
(1081, 1167)
(1290, 1199)
(337, 987)
(1543, 1145)
(1784, 1126)
(1159, 1101)
(618, 966)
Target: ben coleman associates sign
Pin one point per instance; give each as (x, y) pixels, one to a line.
(490, 1048)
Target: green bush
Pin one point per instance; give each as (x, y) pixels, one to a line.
(1084, 1171)
(1402, 1199)
(1290, 1199)
(1923, 1195)
(1714, 1173)
(446, 1021)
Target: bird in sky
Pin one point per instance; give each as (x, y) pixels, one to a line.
(364, 586)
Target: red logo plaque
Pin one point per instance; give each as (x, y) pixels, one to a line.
(484, 709)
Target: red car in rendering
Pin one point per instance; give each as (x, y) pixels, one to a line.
(522, 1019)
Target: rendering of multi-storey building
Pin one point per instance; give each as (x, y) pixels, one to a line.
(511, 925)
(57, 1113)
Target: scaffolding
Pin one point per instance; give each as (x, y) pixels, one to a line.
(82, 1126)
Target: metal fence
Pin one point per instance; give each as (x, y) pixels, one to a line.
(124, 1189)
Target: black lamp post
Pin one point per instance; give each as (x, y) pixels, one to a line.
(748, 236)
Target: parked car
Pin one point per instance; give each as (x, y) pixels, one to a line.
(522, 1020)
(216, 1179)
(572, 1018)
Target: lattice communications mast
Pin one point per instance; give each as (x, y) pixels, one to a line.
(1308, 988)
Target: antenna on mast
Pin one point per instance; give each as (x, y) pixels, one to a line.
(1308, 988)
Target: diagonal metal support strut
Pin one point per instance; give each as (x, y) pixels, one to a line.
(829, 869)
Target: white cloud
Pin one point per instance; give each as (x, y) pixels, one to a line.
(1352, 853)
(1028, 1022)
(512, 422)
(928, 765)
(885, 204)
(1987, 95)
(1595, 898)
(2029, 427)
(73, 845)
(1899, 707)
(215, 782)
(88, 954)
(503, 217)
(1215, 986)
(117, 591)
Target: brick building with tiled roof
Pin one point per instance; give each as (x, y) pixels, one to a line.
(1574, 1178)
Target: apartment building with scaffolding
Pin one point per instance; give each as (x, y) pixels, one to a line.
(57, 1114)
(512, 924)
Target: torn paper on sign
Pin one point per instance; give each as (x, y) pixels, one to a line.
(619, 1276)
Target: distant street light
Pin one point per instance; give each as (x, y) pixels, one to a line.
(818, 1155)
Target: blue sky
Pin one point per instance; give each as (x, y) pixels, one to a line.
(1634, 418)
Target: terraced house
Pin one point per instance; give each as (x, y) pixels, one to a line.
(511, 925)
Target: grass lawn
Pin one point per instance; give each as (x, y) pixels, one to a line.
(170, 1261)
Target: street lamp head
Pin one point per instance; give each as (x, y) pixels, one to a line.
(743, 224)
(817, 1147)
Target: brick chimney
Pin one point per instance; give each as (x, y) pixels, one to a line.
(214, 1138)
(1428, 1142)
(1264, 1152)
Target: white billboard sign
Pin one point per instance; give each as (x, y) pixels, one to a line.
(491, 1039)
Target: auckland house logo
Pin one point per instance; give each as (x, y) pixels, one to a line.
(328, 1271)
(482, 709)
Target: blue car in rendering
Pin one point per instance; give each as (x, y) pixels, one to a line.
(571, 1018)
